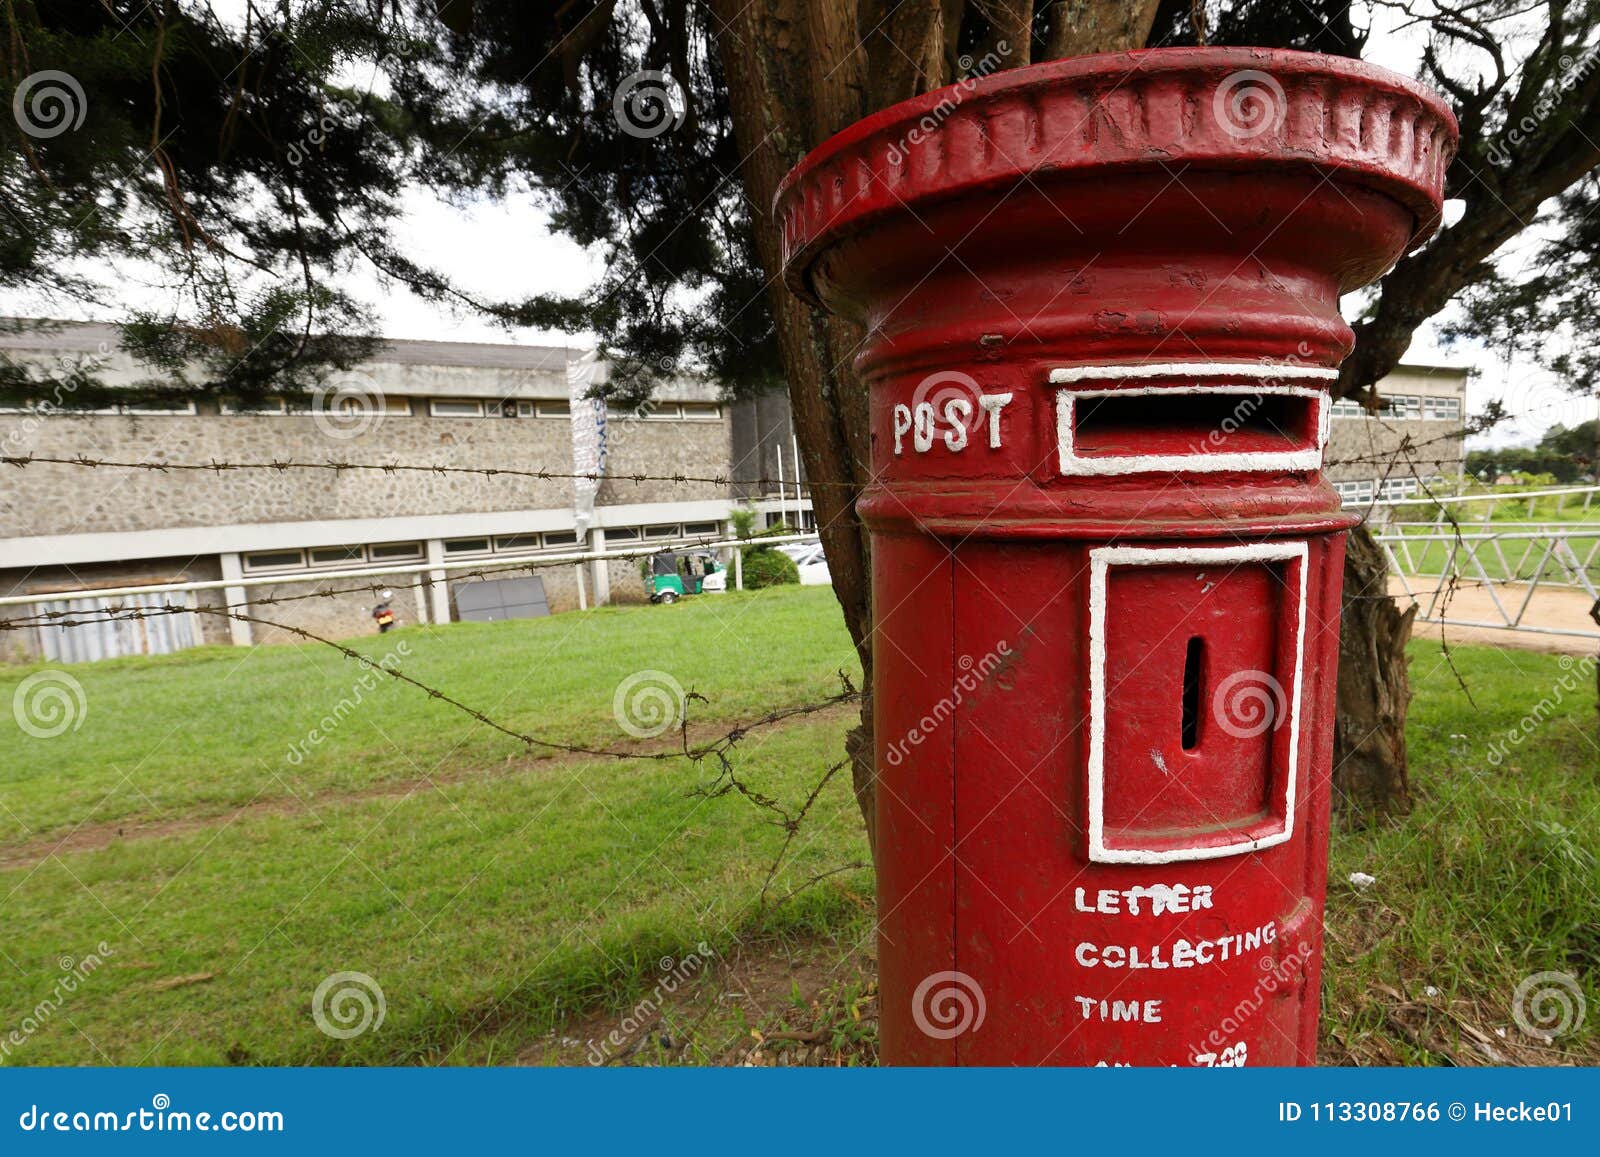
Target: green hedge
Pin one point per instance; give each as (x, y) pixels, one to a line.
(765, 567)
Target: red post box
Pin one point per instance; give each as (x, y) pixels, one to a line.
(1101, 301)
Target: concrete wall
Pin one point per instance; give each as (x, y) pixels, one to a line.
(1367, 448)
(45, 499)
(1364, 448)
(662, 448)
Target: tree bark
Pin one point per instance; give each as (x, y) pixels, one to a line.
(1080, 27)
(798, 72)
(1369, 738)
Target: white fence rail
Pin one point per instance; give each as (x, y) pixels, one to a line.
(1509, 566)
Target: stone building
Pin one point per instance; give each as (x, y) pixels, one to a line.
(446, 404)
(258, 535)
(1416, 439)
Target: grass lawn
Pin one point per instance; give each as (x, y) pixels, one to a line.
(511, 904)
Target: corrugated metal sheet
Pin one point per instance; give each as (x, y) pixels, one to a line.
(157, 635)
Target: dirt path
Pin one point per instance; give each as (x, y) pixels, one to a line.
(93, 837)
(1551, 607)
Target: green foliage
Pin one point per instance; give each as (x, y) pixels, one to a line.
(744, 521)
(224, 155)
(1562, 456)
(766, 567)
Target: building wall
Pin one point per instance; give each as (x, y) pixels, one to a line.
(652, 446)
(1390, 450)
(68, 527)
(45, 499)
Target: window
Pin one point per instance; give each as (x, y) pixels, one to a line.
(44, 407)
(1345, 408)
(274, 560)
(1400, 488)
(254, 406)
(554, 409)
(1445, 409)
(672, 531)
(517, 542)
(336, 555)
(358, 404)
(560, 538)
(622, 534)
(453, 408)
(700, 529)
(157, 406)
(701, 411)
(1404, 406)
(466, 546)
(394, 551)
(1355, 491)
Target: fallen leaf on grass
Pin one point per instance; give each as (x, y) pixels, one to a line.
(180, 981)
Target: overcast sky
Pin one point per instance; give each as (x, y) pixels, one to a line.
(506, 251)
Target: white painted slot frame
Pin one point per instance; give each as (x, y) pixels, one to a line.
(1200, 462)
(1101, 560)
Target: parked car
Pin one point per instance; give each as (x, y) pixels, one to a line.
(812, 563)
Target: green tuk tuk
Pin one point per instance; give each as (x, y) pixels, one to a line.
(673, 574)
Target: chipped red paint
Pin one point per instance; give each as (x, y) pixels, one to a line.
(1101, 309)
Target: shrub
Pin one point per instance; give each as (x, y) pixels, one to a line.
(765, 567)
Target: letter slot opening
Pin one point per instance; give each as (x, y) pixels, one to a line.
(1195, 663)
(1126, 423)
(1191, 693)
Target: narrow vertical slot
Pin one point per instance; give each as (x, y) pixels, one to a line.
(1191, 693)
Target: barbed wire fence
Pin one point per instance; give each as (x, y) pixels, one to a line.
(712, 756)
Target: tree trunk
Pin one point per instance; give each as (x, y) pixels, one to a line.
(1369, 739)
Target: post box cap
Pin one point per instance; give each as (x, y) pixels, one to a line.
(1182, 108)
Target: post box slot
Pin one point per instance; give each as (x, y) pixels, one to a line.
(1196, 656)
(1191, 693)
(1188, 426)
(1125, 423)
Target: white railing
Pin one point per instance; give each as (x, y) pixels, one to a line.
(1545, 556)
(1560, 493)
(479, 565)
